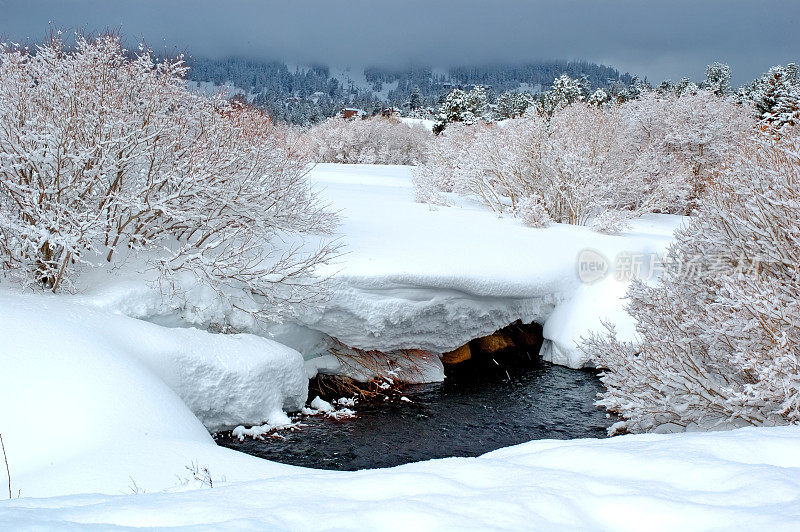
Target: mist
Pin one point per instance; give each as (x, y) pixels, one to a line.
(659, 40)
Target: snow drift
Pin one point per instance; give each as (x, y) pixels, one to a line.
(414, 277)
(68, 347)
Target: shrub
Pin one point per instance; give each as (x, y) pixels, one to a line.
(100, 152)
(375, 140)
(718, 335)
(588, 164)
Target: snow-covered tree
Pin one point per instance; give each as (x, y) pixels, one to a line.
(415, 100)
(686, 87)
(776, 96)
(565, 91)
(514, 104)
(718, 334)
(718, 79)
(459, 106)
(101, 153)
(598, 98)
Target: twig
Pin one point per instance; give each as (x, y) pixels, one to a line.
(8, 471)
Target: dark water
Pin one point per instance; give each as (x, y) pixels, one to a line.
(464, 416)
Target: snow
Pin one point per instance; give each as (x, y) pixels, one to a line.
(322, 405)
(411, 122)
(105, 418)
(740, 480)
(92, 398)
(96, 438)
(414, 277)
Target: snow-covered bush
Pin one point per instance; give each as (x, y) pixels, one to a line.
(667, 145)
(484, 161)
(376, 140)
(444, 156)
(100, 152)
(589, 163)
(718, 334)
(533, 213)
(579, 177)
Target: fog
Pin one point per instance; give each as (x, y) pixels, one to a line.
(659, 39)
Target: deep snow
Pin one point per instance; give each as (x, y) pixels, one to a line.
(741, 480)
(90, 398)
(97, 404)
(415, 277)
(96, 438)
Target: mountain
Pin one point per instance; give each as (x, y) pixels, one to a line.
(305, 94)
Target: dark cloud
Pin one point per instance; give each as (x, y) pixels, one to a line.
(660, 39)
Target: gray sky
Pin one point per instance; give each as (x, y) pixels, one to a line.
(659, 39)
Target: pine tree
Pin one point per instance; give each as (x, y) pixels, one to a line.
(718, 79)
(415, 101)
(565, 91)
(460, 106)
(776, 96)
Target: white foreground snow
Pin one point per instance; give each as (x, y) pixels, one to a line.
(95, 438)
(415, 277)
(741, 480)
(92, 398)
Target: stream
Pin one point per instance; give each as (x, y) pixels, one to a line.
(467, 415)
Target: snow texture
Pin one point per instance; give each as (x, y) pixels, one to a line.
(739, 480)
(224, 380)
(414, 277)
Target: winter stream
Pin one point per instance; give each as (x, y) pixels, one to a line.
(467, 415)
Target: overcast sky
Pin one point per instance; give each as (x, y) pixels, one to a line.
(657, 38)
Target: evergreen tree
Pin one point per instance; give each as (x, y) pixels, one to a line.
(513, 104)
(415, 101)
(776, 96)
(718, 79)
(565, 91)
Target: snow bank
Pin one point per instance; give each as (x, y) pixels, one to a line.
(95, 397)
(415, 277)
(740, 480)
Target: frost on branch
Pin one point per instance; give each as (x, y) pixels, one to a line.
(101, 153)
(377, 140)
(718, 336)
(588, 164)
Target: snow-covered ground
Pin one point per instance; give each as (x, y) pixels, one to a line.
(100, 425)
(431, 279)
(415, 277)
(426, 123)
(747, 479)
(105, 417)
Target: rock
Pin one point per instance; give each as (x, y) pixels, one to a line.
(494, 342)
(461, 354)
(526, 335)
